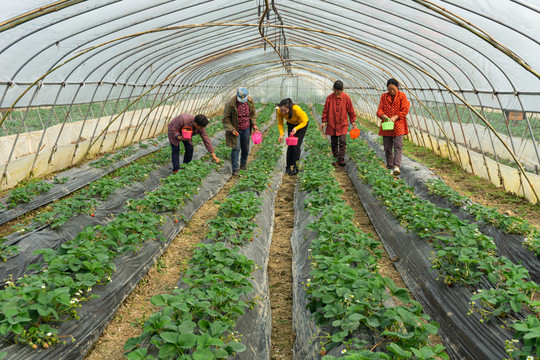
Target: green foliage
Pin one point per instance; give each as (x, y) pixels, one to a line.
(463, 254)
(345, 291)
(24, 194)
(65, 277)
(508, 224)
(7, 250)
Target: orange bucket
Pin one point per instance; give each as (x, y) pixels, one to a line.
(354, 133)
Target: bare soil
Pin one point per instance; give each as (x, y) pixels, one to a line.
(280, 272)
(161, 278)
(477, 189)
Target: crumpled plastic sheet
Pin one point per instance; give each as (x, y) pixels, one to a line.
(464, 336)
(131, 267)
(78, 178)
(510, 246)
(45, 237)
(256, 324)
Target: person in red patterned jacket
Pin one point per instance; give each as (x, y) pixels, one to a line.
(197, 124)
(334, 118)
(394, 107)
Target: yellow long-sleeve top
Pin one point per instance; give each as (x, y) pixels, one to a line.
(299, 118)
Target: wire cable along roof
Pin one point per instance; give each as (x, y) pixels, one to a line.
(470, 69)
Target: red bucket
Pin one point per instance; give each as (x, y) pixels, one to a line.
(256, 137)
(187, 132)
(292, 141)
(354, 133)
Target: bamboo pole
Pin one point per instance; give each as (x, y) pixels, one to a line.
(44, 10)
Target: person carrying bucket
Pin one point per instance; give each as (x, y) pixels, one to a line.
(183, 128)
(392, 111)
(297, 122)
(337, 107)
(239, 119)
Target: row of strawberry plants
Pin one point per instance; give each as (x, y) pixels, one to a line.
(66, 276)
(463, 254)
(197, 320)
(345, 290)
(508, 224)
(85, 200)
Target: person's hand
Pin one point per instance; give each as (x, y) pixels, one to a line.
(215, 158)
(235, 133)
(354, 125)
(323, 126)
(394, 118)
(180, 137)
(281, 138)
(255, 128)
(293, 131)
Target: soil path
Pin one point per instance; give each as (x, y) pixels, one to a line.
(161, 278)
(280, 272)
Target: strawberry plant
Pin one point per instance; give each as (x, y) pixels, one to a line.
(508, 224)
(7, 250)
(463, 255)
(66, 276)
(26, 193)
(345, 291)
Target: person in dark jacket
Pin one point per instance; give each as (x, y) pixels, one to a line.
(239, 119)
(197, 124)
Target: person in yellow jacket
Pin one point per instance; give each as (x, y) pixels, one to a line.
(297, 122)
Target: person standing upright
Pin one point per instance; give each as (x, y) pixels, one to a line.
(239, 118)
(394, 107)
(337, 108)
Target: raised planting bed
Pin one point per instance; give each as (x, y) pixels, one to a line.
(221, 308)
(507, 232)
(483, 302)
(342, 305)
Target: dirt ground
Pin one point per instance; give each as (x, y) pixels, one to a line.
(477, 189)
(362, 222)
(280, 272)
(161, 278)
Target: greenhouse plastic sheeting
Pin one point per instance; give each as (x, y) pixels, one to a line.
(68, 154)
(131, 267)
(415, 175)
(464, 336)
(44, 237)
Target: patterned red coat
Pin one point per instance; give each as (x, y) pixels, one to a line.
(399, 105)
(335, 114)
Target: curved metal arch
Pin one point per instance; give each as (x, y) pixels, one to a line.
(83, 44)
(442, 45)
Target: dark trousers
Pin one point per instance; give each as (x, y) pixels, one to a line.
(394, 143)
(339, 145)
(294, 152)
(242, 146)
(188, 154)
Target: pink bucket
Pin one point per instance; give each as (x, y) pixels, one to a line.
(256, 137)
(292, 141)
(186, 132)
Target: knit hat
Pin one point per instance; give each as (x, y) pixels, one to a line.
(242, 94)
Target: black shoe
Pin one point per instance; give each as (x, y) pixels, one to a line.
(288, 170)
(243, 167)
(294, 170)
